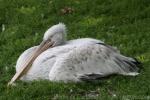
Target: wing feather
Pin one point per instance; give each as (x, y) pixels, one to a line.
(92, 61)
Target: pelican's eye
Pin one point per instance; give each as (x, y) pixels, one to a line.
(51, 36)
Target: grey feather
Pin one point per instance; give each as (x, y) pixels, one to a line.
(90, 77)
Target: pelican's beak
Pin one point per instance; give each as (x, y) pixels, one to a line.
(45, 44)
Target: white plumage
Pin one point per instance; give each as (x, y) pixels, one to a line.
(75, 60)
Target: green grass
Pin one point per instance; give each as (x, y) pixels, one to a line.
(121, 23)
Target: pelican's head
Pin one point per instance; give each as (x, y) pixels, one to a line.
(56, 34)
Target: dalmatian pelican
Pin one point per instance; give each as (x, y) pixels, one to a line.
(57, 59)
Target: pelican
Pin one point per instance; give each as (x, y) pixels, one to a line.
(57, 59)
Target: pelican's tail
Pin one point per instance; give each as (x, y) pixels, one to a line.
(129, 66)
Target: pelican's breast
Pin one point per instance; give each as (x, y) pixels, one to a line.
(40, 67)
(43, 63)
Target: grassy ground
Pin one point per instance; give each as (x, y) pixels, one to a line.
(121, 23)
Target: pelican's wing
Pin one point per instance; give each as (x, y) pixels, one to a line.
(92, 61)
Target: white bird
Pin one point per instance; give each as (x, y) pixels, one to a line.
(56, 59)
